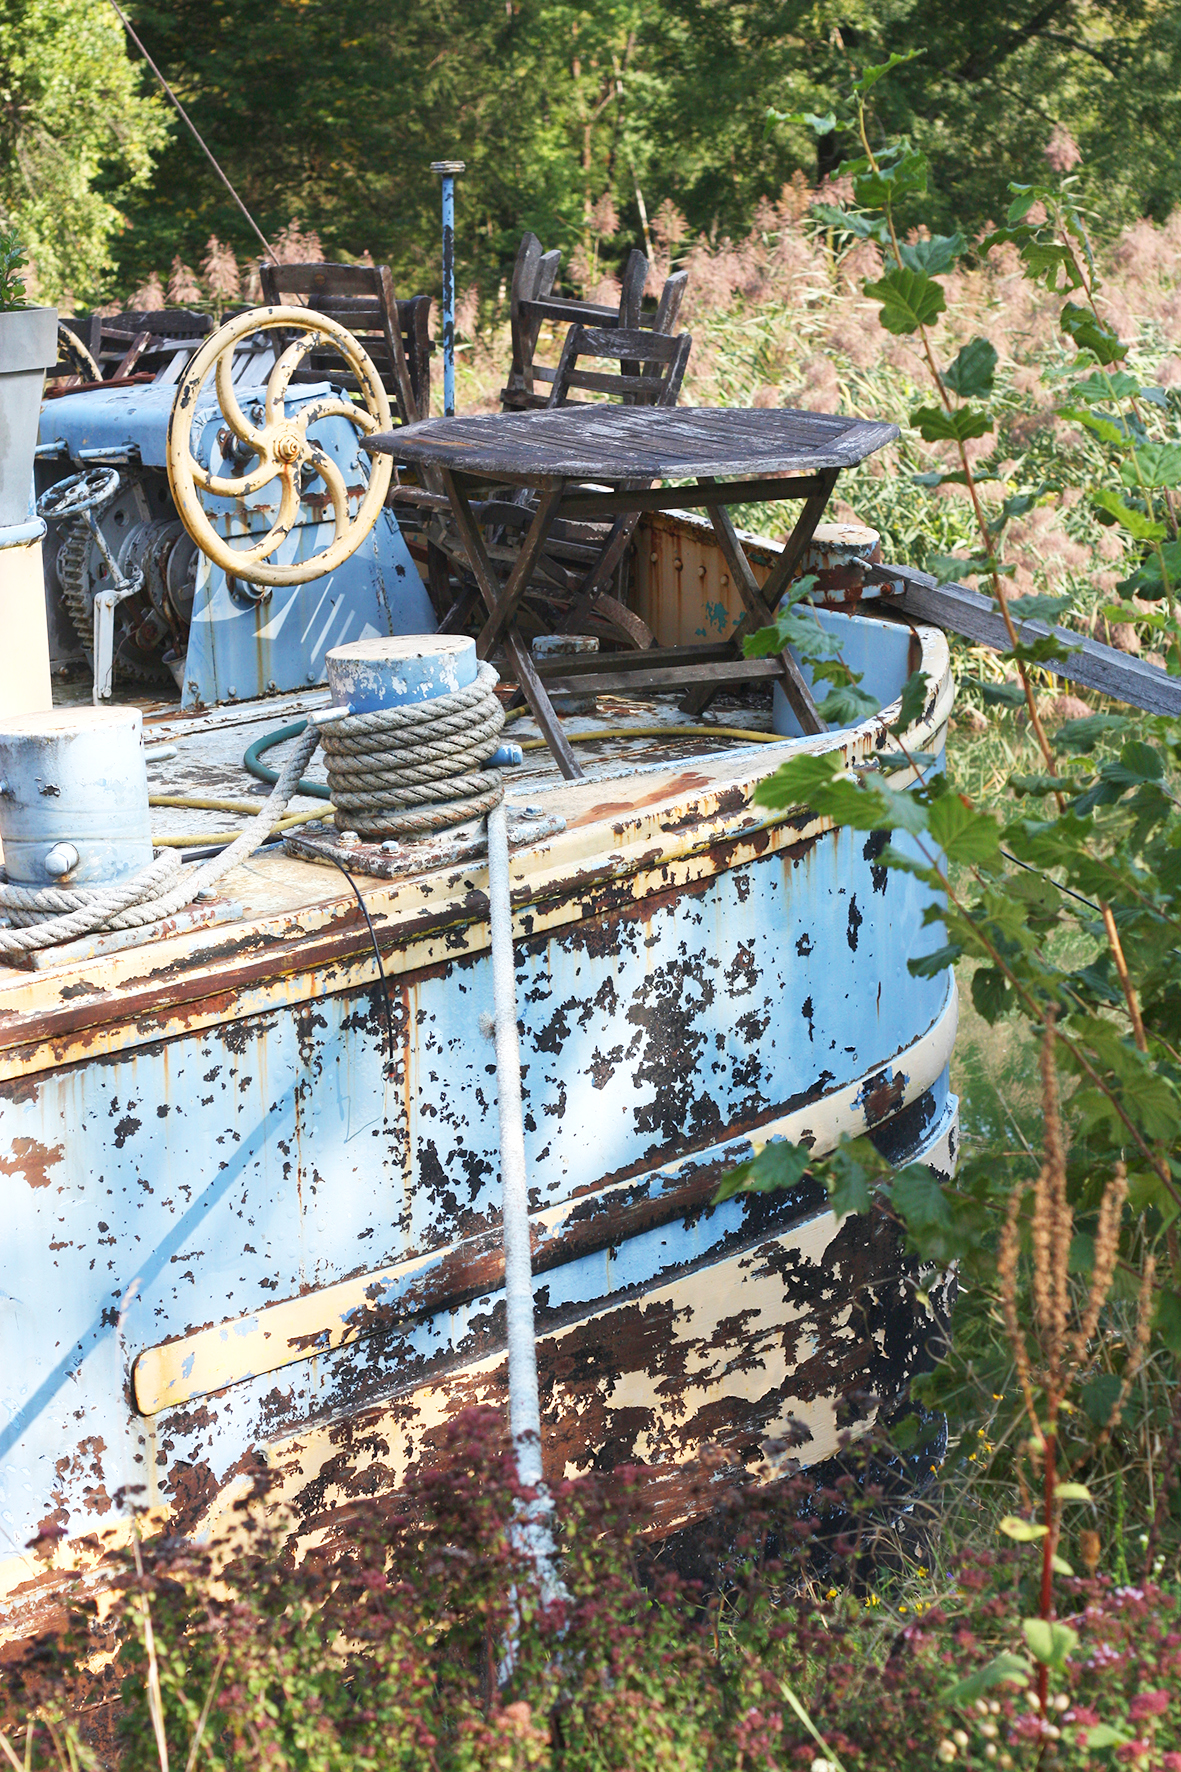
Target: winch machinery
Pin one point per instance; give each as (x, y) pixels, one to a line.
(238, 532)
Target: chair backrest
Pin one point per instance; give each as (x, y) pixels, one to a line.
(651, 365)
(361, 297)
(533, 304)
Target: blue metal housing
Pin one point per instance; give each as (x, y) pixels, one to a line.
(246, 641)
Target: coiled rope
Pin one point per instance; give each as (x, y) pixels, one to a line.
(406, 771)
(46, 915)
(411, 771)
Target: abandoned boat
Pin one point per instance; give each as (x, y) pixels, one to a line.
(249, 1150)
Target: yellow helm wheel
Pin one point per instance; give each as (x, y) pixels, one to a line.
(281, 445)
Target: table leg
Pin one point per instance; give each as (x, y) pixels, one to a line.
(529, 682)
(760, 606)
(504, 610)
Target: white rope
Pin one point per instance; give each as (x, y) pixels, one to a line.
(46, 915)
(524, 1399)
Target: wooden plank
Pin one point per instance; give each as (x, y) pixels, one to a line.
(665, 677)
(673, 498)
(505, 609)
(761, 602)
(760, 612)
(590, 663)
(961, 611)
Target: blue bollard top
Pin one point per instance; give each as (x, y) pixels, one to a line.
(394, 672)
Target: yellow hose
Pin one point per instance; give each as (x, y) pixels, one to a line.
(669, 732)
(197, 839)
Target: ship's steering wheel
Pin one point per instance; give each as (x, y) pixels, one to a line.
(278, 447)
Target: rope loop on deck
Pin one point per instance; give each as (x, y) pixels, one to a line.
(46, 915)
(411, 771)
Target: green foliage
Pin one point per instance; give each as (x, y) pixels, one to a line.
(78, 134)
(566, 114)
(13, 258)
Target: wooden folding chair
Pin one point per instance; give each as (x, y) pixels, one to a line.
(570, 574)
(361, 297)
(533, 303)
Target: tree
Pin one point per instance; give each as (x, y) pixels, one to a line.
(77, 136)
(332, 110)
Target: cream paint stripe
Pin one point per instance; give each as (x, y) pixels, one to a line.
(282, 1334)
(672, 859)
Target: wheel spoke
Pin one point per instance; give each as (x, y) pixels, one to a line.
(282, 526)
(240, 488)
(281, 374)
(227, 399)
(334, 480)
(318, 409)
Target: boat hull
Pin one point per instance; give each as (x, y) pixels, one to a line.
(253, 1195)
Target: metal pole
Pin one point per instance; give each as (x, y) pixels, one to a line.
(448, 171)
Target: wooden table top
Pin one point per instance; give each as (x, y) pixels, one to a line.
(607, 443)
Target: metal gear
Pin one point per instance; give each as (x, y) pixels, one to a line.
(73, 572)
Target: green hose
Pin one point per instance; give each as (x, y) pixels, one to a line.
(262, 772)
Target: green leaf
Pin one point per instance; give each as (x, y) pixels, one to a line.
(1117, 384)
(849, 221)
(911, 702)
(1072, 1492)
(1039, 608)
(1060, 1566)
(797, 780)
(991, 993)
(909, 299)
(1099, 1397)
(937, 426)
(846, 704)
(871, 76)
(970, 374)
(946, 566)
(1167, 1320)
(963, 834)
(1108, 430)
(778, 1166)
(1050, 1641)
(1159, 464)
(933, 256)
(1022, 1531)
(1091, 334)
(1137, 523)
(847, 1184)
(1002, 1669)
(920, 1201)
(1004, 695)
(1147, 1192)
(1082, 735)
(937, 961)
(825, 125)
(1096, 1735)
(881, 185)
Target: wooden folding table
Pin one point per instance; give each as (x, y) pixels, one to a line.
(579, 460)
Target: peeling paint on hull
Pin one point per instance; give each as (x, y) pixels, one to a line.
(201, 1168)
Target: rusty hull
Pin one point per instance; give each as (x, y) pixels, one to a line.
(236, 1236)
